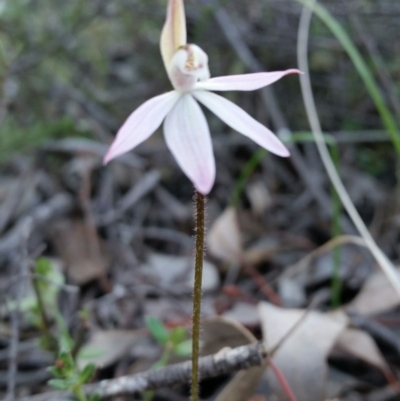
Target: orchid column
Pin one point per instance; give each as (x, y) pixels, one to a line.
(186, 130)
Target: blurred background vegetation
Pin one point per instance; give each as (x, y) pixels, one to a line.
(72, 71)
(78, 67)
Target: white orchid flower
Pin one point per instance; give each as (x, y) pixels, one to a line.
(185, 128)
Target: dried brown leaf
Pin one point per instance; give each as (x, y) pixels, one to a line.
(106, 347)
(84, 259)
(302, 356)
(172, 271)
(376, 296)
(243, 385)
(224, 238)
(259, 197)
(262, 251)
(244, 313)
(219, 333)
(360, 344)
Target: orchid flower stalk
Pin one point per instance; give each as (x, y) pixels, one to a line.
(186, 130)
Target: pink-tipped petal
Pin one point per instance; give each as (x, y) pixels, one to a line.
(188, 138)
(242, 122)
(244, 82)
(141, 124)
(173, 34)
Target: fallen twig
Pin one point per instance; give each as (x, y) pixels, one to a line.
(145, 185)
(239, 358)
(56, 206)
(92, 147)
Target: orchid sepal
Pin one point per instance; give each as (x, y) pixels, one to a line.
(173, 35)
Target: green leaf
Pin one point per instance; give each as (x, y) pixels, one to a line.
(90, 352)
(177, 335)
(56, 372)
(184, 348)
(48, 281)
(84, 314)
(54, 279)
(160, 364)
(66, 342)
(43, 267)
(95, 397)
(157, 329)
(68, 362)
(87, 373)
(58, 384)
(25, 305)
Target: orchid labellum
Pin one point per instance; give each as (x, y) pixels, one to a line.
(185, 127)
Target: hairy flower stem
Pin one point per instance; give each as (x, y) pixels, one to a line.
(198, 275)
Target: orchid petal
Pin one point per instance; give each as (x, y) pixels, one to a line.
(173, 35)
(188, 138)
(242, 122)
(244, 82)
(141, 124)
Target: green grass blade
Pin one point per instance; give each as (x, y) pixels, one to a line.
(362, 68)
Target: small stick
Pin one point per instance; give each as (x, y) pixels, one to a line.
(14, 345)
(232, 360)
(59, 205)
